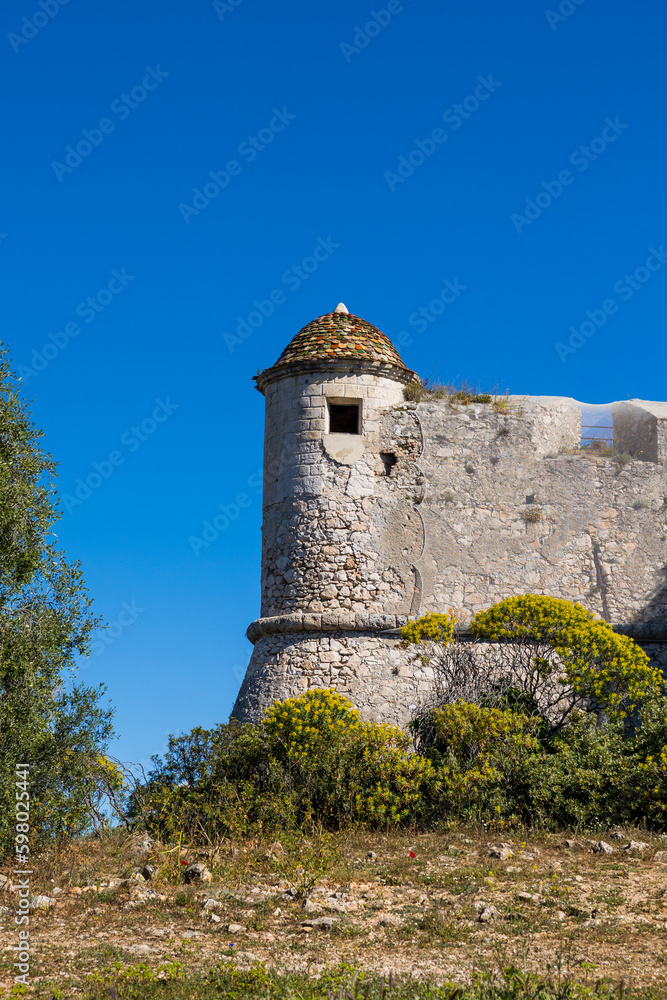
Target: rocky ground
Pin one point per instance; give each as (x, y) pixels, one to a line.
(428, 905)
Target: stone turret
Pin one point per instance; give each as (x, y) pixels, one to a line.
(326, 590)
(377, 509)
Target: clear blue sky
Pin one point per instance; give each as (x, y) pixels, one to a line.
(305, 116)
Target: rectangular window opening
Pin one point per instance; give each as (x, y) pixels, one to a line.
(344, 418)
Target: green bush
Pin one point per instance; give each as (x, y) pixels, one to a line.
(311, 760)
(480, 756)
(582, 782)
(493, 753)
(476, 763)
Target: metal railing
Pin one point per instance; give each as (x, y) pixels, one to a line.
(602, 436)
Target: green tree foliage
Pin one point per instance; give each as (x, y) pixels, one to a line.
(45, 622)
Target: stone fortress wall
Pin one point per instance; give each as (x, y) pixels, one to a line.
(442, 505)
(377, 510)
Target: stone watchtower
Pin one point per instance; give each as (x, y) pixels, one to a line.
(338, 545)
(377, 509)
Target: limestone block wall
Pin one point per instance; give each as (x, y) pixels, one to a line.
(368, 668)
(507, 510)
(448, 506)
(640, 428)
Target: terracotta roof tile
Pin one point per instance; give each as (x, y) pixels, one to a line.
(339, 335)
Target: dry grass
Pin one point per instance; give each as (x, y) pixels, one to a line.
(415, 915)
(429, 390)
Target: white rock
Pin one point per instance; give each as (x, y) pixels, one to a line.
(138, 844)
(319, 922)
(529, 897)
(636, 845)
(310, 906)
(500, 853)
(41, 902)
(197, 873)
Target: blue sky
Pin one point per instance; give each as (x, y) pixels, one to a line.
(170, 167)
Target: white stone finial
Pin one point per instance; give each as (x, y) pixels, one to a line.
(341, 308)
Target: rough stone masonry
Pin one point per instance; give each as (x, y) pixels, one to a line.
(377, 510)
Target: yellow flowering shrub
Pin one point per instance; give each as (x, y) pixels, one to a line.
(301, 728)
(433, 628)
(386, 782)
(349, 769)
(529, 617)
(313, 762)
(598, 664)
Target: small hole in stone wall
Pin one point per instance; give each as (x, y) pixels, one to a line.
(389, 460)
(344, 418)
(530, 498)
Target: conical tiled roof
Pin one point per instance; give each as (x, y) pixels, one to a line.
(339, 335)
